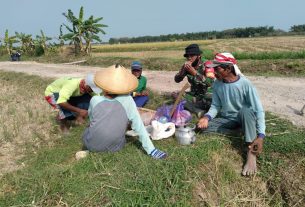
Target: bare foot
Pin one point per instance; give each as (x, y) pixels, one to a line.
(64, 126)
(79, 120)
(250, 166)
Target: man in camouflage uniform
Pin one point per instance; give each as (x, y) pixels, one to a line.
(199, 98)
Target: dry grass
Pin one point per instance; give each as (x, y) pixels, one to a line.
(24, 116)
(266, 44)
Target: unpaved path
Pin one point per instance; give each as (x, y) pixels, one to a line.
(282, 96)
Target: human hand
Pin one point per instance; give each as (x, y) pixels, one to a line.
(189, 68)
(83, 113)
(256, 147)
(203, 122)
(145, 93)
(158, 154)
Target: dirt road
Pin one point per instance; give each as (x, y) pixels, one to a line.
(282, 96)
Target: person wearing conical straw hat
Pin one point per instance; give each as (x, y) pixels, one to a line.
(110, 114)
(235, 106)
(71, 96)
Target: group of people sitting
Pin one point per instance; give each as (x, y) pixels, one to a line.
(224, 100)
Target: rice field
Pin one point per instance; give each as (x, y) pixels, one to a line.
(176, 49)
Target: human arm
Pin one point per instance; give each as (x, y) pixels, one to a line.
(216, 104)
(81, 112)
(69, 89)
(138, 126)
(203, 122)
(141, 89)
(213, 111)
(256, 105)
(143, 93)
(256, 147)
(180, 75)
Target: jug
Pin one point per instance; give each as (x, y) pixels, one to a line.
(186, 134)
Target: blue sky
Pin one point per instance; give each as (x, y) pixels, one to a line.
(133, 18)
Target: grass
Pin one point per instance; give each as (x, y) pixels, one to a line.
(204, 174)
(24, 118)
(270, 55)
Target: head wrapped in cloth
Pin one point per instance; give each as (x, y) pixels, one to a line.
(225, 58)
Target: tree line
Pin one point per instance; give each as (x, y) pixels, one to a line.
(261, 31)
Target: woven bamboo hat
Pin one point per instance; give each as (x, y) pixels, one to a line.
(116, 80)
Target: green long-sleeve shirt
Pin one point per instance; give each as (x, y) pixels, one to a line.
(229, 98)
(142, 84)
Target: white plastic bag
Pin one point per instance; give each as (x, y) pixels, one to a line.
(161, 131)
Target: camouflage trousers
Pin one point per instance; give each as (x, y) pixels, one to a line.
(197, 106)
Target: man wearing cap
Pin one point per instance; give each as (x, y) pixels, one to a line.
(71, 96)
(111, 113)
(198, 100)
(140, 95)
(237, 104)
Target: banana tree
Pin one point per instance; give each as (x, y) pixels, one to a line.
(75, 35)
(60, 37)
(27, 43)
(41, 43)
(92, 28)
(82, 30)
(9, 42)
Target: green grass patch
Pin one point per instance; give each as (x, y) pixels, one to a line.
(128, 177)
(162, 64)
(270, 55)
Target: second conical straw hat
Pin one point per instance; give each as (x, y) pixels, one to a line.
(116, 80)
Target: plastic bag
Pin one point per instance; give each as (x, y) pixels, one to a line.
(163, 112)
(161, 131)
(180, 116)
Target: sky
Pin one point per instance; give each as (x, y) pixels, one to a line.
(134, 18)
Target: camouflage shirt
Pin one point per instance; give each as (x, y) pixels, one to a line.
(200, 85)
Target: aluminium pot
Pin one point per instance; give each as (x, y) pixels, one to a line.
(185, 135)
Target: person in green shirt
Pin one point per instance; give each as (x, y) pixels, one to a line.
(140, 95)
(199, 98)
(71, 96)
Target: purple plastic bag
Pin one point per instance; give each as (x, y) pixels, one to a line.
(163, 111)
(180, 116)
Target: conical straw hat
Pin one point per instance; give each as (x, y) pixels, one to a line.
(116, 80)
